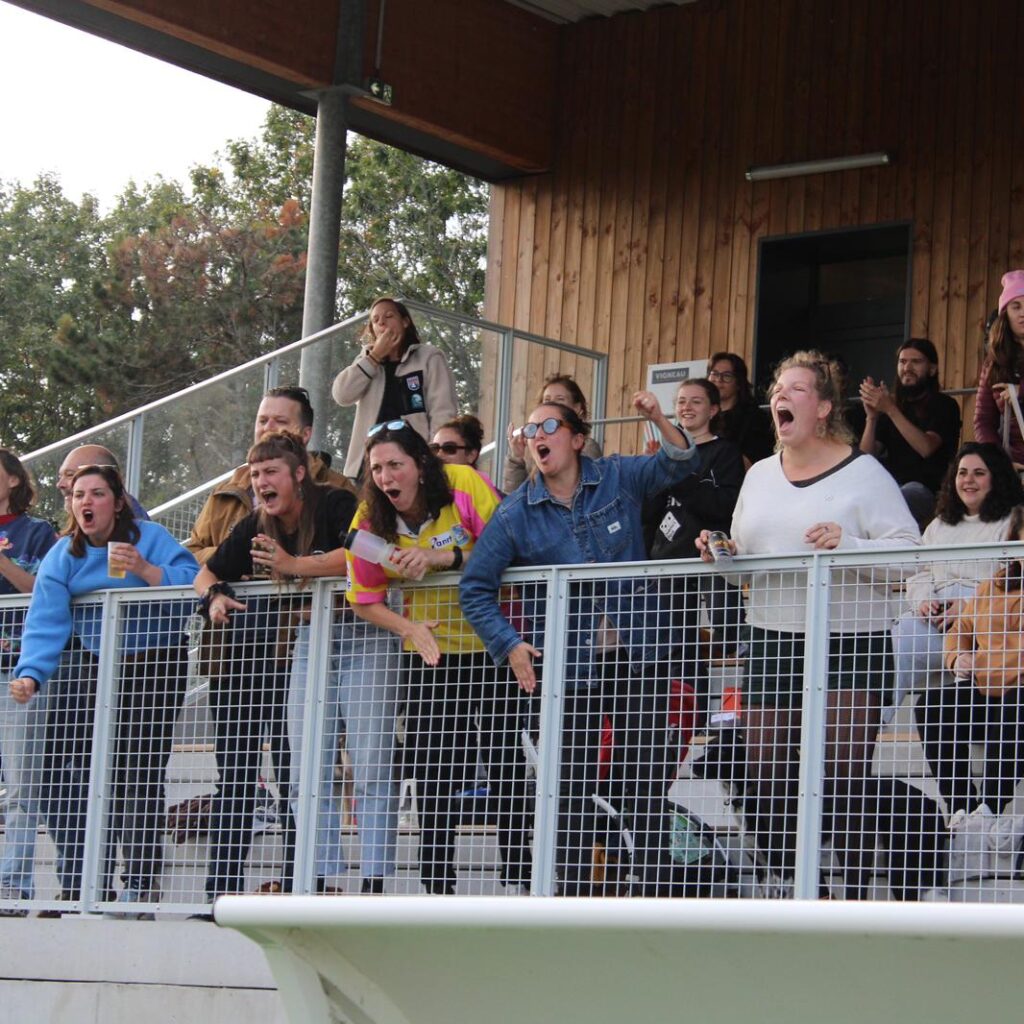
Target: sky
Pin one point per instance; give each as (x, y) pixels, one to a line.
(98, 115)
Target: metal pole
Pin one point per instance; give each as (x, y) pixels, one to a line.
(308, 784)
(552, 710)
(506, 353)
(133, 457)
(320, 301)
(97, 818)
(812, 732)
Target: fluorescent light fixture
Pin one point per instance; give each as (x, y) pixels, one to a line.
(768, 172)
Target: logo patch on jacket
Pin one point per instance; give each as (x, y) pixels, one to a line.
(413, 392)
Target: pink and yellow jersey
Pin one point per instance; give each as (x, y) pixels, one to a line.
(458, 524)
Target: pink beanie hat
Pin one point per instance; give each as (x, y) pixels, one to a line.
(1013, 288)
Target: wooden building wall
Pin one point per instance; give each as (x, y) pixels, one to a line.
(642, 242)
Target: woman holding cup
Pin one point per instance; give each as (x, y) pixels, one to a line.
(105, 547)
(296, 532)
(432, 514)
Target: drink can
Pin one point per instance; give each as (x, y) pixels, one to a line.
(718, 545)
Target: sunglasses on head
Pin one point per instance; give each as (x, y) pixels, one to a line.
(448, 447)
(389, 425)
(549, 426)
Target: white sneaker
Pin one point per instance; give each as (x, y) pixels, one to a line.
(1006, 833)
(969, 853)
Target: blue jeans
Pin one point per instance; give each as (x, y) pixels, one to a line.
(362, 697)
(22, 743)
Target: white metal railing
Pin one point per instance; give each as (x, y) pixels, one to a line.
(551, 606)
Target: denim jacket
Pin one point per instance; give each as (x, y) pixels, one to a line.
(603, 525)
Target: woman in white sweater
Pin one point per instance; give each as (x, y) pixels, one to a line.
(975, 506)
(817, 493)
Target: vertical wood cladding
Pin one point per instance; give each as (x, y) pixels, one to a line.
(642, 241)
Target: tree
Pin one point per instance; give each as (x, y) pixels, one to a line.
(104, 312)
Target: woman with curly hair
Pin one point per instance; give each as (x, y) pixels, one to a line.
(819, 492)
(975, 504)
(395, 376)
(433, 514)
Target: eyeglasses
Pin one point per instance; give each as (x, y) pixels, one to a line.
(389, 425)
(726, 376)
(449, 448)
(549, 426)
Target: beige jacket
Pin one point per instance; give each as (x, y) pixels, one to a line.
(991, 628)
(362, 385)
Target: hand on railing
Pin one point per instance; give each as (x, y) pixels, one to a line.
(703, 544)
(23, 689)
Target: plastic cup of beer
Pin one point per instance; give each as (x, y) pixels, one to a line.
(116, 572)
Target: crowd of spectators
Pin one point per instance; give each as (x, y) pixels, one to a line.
(461, 667)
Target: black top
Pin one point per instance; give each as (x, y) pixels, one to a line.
(392, 404)
(332, 517)
(750, 428)
(934, 412)
(703, 501)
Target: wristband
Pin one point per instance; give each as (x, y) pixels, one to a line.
(220, 587)
(457, 560)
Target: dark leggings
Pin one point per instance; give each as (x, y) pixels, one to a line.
(248, 702)
(949, 720)
(441, 752)
(641, 770)
(150, 693)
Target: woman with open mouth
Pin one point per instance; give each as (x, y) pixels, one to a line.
(563, 390)
(294, 533)
(105, 547)
(578, 509)
(817, 493)
(433, 514)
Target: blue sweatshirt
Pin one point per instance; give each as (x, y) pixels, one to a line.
(62, 577)
(24, 541)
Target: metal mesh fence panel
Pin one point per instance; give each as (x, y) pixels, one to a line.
(841, 725)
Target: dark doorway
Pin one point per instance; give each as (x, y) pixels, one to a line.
(843, 292)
